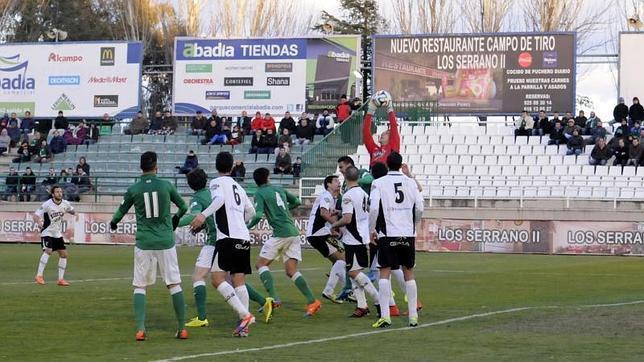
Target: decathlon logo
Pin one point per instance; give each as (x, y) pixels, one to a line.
(64, 80)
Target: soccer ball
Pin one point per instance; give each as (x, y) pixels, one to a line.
(382, 98)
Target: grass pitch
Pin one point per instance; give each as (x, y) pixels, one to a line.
(477, 307)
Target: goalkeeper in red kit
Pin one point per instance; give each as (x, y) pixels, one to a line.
(389, 140)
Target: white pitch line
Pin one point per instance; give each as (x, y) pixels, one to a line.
(379, 331)
(128, 278)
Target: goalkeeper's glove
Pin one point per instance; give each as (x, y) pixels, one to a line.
(390, 107)
(175, 222)
(113, 226)
(371, 107)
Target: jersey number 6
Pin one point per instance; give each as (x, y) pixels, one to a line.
(237, 197)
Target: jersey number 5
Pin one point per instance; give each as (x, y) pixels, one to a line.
(400, 196)
(151, 208)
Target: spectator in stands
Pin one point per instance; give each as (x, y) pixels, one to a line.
(555, 118)
(93, 133)
(285, 139)
(635, 152)
(82, 163)
(570, 127)
(13, 129)
(236, 136)
(297, 167)
(57, 144)
(257, 144)
(524, 125)
(641, 135)
(597, 132)
(355, 104)
(24, 153)
(268, 123)
(557, 135)
(601, 153)
(51, 178)
(270, 140)
(157, 123)
(575, 143)
(27, 184)
(215, 116)
(283, 162)
(621, 153)
(5, 142)
(304, 133)
(198, 125)
(81, 180)
(257, 122)
(239, 171)
(61, 121)
(580, 120)
(619, 112)
(636, 112)
(169, 126)
(12, 181)
(623, 131)
(287, 123)
(226, 131)
(64, 176)
(591, 123)
(325, 123)
(343, 109)
(27, 124)
(567, 117)
(542, 125)
(189, 164)
(138, 125)
(212, 129)
(244, 123)
(635, 130)
(44, 154)
(220, 137)
(76, 135)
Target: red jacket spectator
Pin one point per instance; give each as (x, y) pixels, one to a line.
(268, 123)
(342, 110)
(389, 140)
(257, 122)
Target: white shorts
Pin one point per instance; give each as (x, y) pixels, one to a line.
(288, 248)
(145, 266)
(206, 256)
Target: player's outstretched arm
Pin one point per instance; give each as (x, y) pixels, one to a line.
(292, 200)
(70, 209)
(258, 211)
(37, 216)
(367, 137)
(127, 202)
(394, 136)
(195, 209)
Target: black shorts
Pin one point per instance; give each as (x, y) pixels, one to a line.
(233, 256)
(47, 242)
(325, 244)
(356, 257)
(396, 252)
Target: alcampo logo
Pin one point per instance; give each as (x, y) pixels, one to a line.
(12, 81)
(63, 103)
(194, 50)
(53, 57)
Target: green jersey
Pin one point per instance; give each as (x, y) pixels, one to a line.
(151, 198)
(200, 201)
(276, 203)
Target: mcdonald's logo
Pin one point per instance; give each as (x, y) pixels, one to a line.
(107, 55)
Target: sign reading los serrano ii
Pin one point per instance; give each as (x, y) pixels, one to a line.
(497, 74)
(301, 73)
(83, 79)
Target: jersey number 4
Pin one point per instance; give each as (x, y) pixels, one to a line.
(151, 207)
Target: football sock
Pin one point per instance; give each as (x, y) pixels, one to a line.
(179, 305)
(227, 291)
(358, 292)
(367, 286)
(338, 271)
(44, 258)
(62, 265)
(400, 279)
(254, 295)
(347, 281)
(301, 284)
(242, 294)
(412, 296)
(139, 308)
(199, 290)
(267, 280)
(384, 294)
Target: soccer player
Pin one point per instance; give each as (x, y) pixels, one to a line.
(230, 208)
(151, 198)
(277, 203)
(49, 218)
(396, 207)
(389, 140)
(198, 180)
(318, 234)
(355, 237)
(364, 177)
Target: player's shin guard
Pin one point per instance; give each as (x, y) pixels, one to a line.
(242, 294)
(303, 287)
(179, 304)
(227, 291)
(267, 280)
(368, 287)
(199, 290)
(139, 308)
(44, 258)
(358, 292)
(255, 295)
(384, 287)
(412, 297)
(62, 265)
(338, 272)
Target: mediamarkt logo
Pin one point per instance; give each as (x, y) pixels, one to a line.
(53, 57)
(194, 50)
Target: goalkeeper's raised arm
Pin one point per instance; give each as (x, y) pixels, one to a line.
(389, 140)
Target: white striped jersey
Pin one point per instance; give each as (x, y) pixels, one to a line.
(396, 206)
(52, 215)
(317, 225)
(231, 208)
(356, 202)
